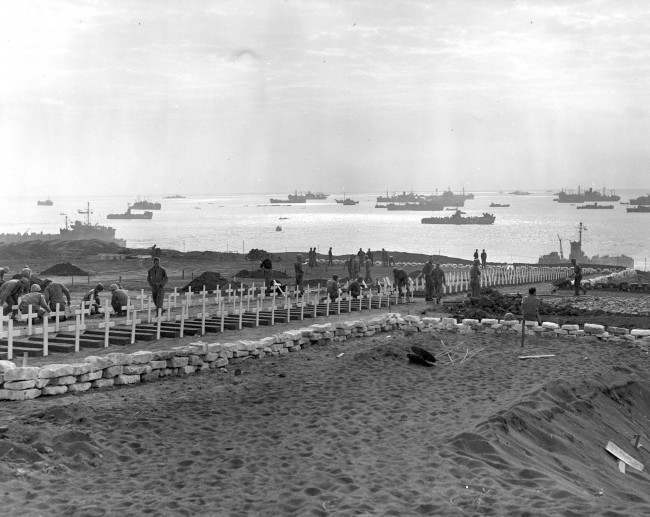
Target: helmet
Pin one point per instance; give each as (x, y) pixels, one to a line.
(99, 287)
(35, 288)
(113, 287)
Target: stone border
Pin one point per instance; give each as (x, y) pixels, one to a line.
(115, 369)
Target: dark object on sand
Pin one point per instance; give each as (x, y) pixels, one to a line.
(65, 269)
(421, 356)
(210, 279)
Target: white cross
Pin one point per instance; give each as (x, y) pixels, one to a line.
(134, 322)
(78, 327)
(158, 319)
(181, 318)
(29, 317)
(83, 311)
(169, 306)
(229, 292)
(143, 298)
(106, 324)
(11, 333)
(57, 314)
(128, 308)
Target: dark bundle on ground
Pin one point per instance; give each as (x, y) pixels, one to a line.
(245, 273)
(210, 279)
(64, 269)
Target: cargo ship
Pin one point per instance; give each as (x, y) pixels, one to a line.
(595, 206)
(498, 205)
(519, 193)
(584, 196)
(447, 198)
(642, 200)
(457, 218)
(640, 208)
(79, 230)
(47, 202)
(130, 215)
(146, 205)
(291, 198)
(315, 195)
(346, 201)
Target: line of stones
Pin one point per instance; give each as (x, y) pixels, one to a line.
(115, 369)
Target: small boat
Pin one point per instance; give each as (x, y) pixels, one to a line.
(175, 196)
(519, 193)
(278, 228)
(457, 218)
(346, 201)
(130, 215)
(640, 208)
(595, 206)
(498, 205)
(47, 202)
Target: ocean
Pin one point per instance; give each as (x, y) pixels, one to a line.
(239, 222)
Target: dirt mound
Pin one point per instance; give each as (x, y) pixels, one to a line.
(210, 279)
(64, 269)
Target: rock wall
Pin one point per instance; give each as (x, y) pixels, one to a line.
(116, 369)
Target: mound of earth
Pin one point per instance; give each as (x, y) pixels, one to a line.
(64, 269)
(210, 279)
(258, 273)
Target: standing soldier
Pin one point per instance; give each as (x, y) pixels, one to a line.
(368, 270)
(329, 257)
(438, 280)
(476, 254)
(299, 272)
(483, 258)
(427, 270)
(267, 269)
(369, 255)
(157, 278)
(475, 280)
(577, 277)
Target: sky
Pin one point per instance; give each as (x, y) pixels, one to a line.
(162, 97)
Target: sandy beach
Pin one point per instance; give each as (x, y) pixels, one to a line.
(363, 433)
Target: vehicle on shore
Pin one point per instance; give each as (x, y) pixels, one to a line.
(457, 218)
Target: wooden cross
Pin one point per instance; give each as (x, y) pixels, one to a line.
(149, 310)
(57, 314)
(249, 294)
(222, 313)
(78, 327)
(188, 296)
(83, 311)
(181, 318)
(229, 292)
(143, 298)
(302, 306)
(29, 317)
(158, 319)
(134, 322)
(106, 325)
(10, 334)
(169, 306)
(203, 314)
(241, 306)
(128, 308)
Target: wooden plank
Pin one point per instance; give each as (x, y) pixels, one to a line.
(536, 356)
(615, 450)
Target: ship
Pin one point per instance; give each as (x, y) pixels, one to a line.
(641, 200)
(175, 196)
(315, 195)
(346, 201)
(576, 253)
(291, 198)
(584, 196)
(146, 205)
(498, 205)
(519, 193)
(47, 202)
(78, 230)
(423, 206)
(457, 218)
(595, 206)
(640, 208)
(130, 215)
(447, 198)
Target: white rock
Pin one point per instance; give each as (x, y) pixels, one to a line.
(55, 390)
(19, 394)
(20, 385)
(98, 362)
(550, 325)
(569, 327)
(81, 386)
(593, 328)
(126, 379)
(90, 376)
(50, 371)
(103, 383)
(82, 368)
(21, 373)
(640, 332)
(141, 357)
(119, 359)
(60, 381)
(6, 365)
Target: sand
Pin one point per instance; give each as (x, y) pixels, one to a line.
(319, 433)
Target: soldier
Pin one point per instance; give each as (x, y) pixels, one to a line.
(267, 268)
(299, 271)
(483, 258)
(475, 280)
(157, 278)
(37, 301)
(329, 257)
(577, 277)
(54, 293)
(93, 297)
(333, 287)
(10, 291)
(401, 277)
(428, 280)
(355, 288)
(368, 264)
(530, 306)
(119, 299)
(438, 280)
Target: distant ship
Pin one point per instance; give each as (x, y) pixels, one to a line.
(76, 231)
(640, 208)
(130, 215)
(595, 206)
(576, 253)
(423, 206)
(519, 193)
(498, 205)
(457, 218)
(587, 195)
(447, 198)
(175, 196)
(146, 205)
(642, 200)
(47, 202)
(291, 198)
(315, 195)
(346, 201)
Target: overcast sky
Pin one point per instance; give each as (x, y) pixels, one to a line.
(159, 97)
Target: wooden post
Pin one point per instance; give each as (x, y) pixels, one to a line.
(143, 297)
(10, 339)
(241, 306)
(57, 314)
(158, 320)
(257, 312)
(78, 315)
(106, 324)
(203, 293)
(149, 310)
